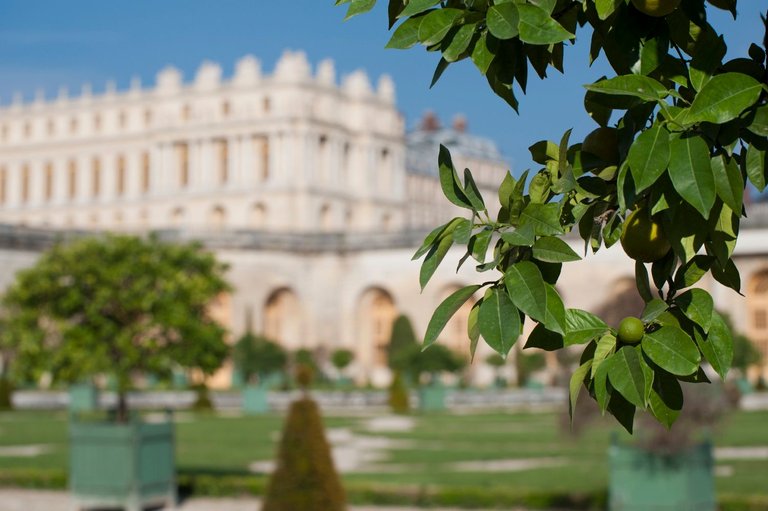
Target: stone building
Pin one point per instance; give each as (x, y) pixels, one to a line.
(311, 190)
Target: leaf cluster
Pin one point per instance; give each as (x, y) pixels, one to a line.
(116, 305)
(257, 356)
(681, 131)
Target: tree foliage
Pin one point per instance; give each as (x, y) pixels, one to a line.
(255, 356)
(680, 132)
(401, 339)
(119, 306)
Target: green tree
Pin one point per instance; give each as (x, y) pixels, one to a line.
(341, 358)
(401, 339)
(414, 362)
(680, 132)
(117, 305)
(745, 353)
(257, 357)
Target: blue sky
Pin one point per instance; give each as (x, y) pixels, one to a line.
(46, 44)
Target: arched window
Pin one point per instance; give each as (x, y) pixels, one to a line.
(757, 307)
(25, 183)
(95, 177)
(261, 157)
(218, 217)
(48, 181)
(145, 173)
(283, 318)
(325, 217)
(223, 150)
(177, 216)
(120, 178)
(182, 152)
(258, 218)
(72, 179)
(3, 183)
(376, 315)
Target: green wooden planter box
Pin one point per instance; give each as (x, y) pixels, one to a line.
(254, 400)
(432, 398)
(642, 481)
(127, 465)
(83, 397)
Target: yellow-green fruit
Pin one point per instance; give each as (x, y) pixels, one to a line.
(656, 8)
(631, 330)
(642, 237)
(603, 143)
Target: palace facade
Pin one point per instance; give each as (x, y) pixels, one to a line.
(310, 189)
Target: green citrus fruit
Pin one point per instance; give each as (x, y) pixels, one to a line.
(656, 8)
(631, 330)
(642, 237)
(604, 144)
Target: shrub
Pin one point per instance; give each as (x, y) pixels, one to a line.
(401, 340)
(398, 395)
(256, 356)
(305, 478)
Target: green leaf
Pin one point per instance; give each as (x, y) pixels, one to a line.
(544, 339)
(462, 232)
(755, 164)
(445, 312)
(641, 282)
(605, 348)
(671, 349)
(718, 345)
(627, 376)
(553, 250)
(666, 399)
(480, 244)
(473, 192)
(698, 306)
(723, 98)
(449, 180)
(506, 190)
(622, 410)
(577, 379)
(499, 321)
(691, 173)
(406, 35)
(417, 6)
(502, 20)
(600, 383)
(638, 86)
(606, 7)
(521, 237)
(649, 156)
(359, 7)
(554, 318)
(437, 233)
(527, 289)
(582, 326)
(759, 124)
(537, 27)
(545, 218)
(482, 56)
(459, 43)
(692, 271)
(729, 183)
(433, 259)
(727, 275)
(473, 328)
(653, 309)
(436, 25)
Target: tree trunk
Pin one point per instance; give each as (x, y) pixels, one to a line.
(122, 407)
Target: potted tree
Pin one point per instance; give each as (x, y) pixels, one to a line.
(425, 367)
(341, 359)
(118, 306)
(497, 362)
(669, 468)
(256, 359)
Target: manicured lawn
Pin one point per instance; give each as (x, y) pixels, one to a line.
(420, 457)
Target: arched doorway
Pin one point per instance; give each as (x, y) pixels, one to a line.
(757, 315)
(218, 217)
(377, 312)
(283, 319)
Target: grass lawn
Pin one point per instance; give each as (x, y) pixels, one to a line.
(422, 456)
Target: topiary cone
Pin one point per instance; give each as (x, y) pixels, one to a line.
(305, 478)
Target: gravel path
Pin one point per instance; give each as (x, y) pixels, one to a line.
(37, 500)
